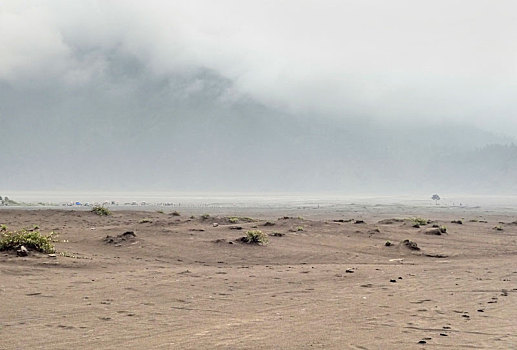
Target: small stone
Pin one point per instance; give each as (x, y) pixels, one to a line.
(393, 281)
(52, 255)
(215, 224)
(422, 342)
(444, 334)
(349, 270)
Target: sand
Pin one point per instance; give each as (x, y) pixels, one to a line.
(181, 283)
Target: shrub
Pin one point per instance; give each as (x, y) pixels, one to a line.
(420, 221)
(299, 228)
(255, 237)
(233, 220)
(31, 240)
(205, 216)
(101, 211)
(3, 228)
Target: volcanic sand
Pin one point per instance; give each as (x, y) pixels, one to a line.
(322, 282)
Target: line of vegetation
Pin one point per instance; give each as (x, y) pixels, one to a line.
(236, 219)
(32, 240)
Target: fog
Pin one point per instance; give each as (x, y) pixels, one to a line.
(344, 97)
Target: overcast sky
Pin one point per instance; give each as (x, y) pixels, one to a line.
(386, 60)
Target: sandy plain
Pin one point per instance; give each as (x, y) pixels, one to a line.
(324, 281)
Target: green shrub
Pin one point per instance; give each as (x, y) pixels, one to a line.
(255, 237)
(3, 228)
(420, 221)
(205, 216)
(299, 228)
(31, 240)
(101, 211)
(233, 220)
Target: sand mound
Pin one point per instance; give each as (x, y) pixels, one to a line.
(124, 237)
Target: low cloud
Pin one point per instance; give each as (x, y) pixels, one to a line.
(445, 60)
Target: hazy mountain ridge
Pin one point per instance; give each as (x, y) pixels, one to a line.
(135, 131)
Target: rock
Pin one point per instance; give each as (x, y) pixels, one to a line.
(410, 244)
(215, 224)
(388, 244)
(433, 231)
(390, 221)
(22, 251)
(269, 223)
(359, 222)
(459, 222)
(349, 271)
(52, 255)
(235, 227)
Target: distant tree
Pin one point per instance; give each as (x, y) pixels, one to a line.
(435, 198)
